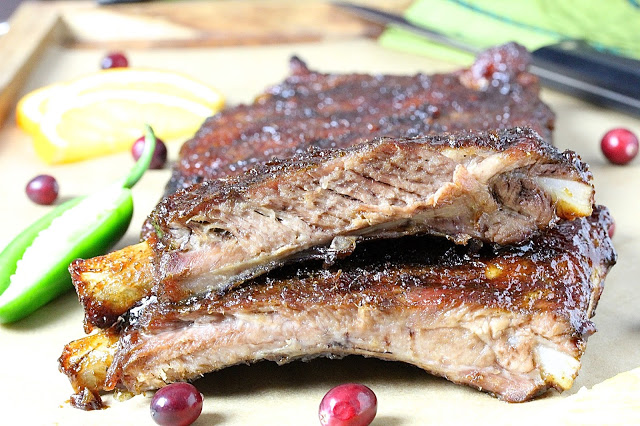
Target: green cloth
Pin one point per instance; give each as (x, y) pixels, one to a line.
(609, 24)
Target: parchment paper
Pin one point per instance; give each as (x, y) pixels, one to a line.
(33, 392)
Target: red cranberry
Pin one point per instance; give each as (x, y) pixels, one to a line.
(620, 146)
(178, 404)
(350, 404)
(114, 60)
(159, 154)
(42, 189)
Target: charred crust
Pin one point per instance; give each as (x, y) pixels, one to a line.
(293, 114)
(87, 400)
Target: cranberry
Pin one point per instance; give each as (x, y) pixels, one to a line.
(159, 154)
(114, 60)
(350, 404)
(178, 404)
(620, 146)
(42, 189)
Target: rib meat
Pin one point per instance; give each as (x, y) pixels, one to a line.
(509, 320)
(206, 289)
(312, 109)
(491, 186)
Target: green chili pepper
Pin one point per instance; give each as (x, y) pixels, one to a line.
(33, 267)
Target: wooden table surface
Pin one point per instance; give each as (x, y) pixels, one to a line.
(241, 48)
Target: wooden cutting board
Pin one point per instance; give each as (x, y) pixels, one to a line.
(36, 26)
(241, 48)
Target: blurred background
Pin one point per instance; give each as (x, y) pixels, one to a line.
(7, 7)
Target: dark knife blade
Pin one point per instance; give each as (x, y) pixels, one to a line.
(572, 67)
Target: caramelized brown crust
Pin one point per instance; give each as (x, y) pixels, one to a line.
(545, 289)
(312, 109)
(108, 286)
(86, 361)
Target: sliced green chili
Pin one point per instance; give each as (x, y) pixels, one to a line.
(33, 267)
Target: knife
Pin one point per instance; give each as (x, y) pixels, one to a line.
(572, 66)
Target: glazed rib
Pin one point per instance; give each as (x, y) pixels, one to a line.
(510, 320)
(313, 109)
(492, 186)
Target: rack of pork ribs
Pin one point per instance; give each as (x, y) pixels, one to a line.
(422, 219)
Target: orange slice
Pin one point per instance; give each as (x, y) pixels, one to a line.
(31, 107)
(106, 122)
(105, 112)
